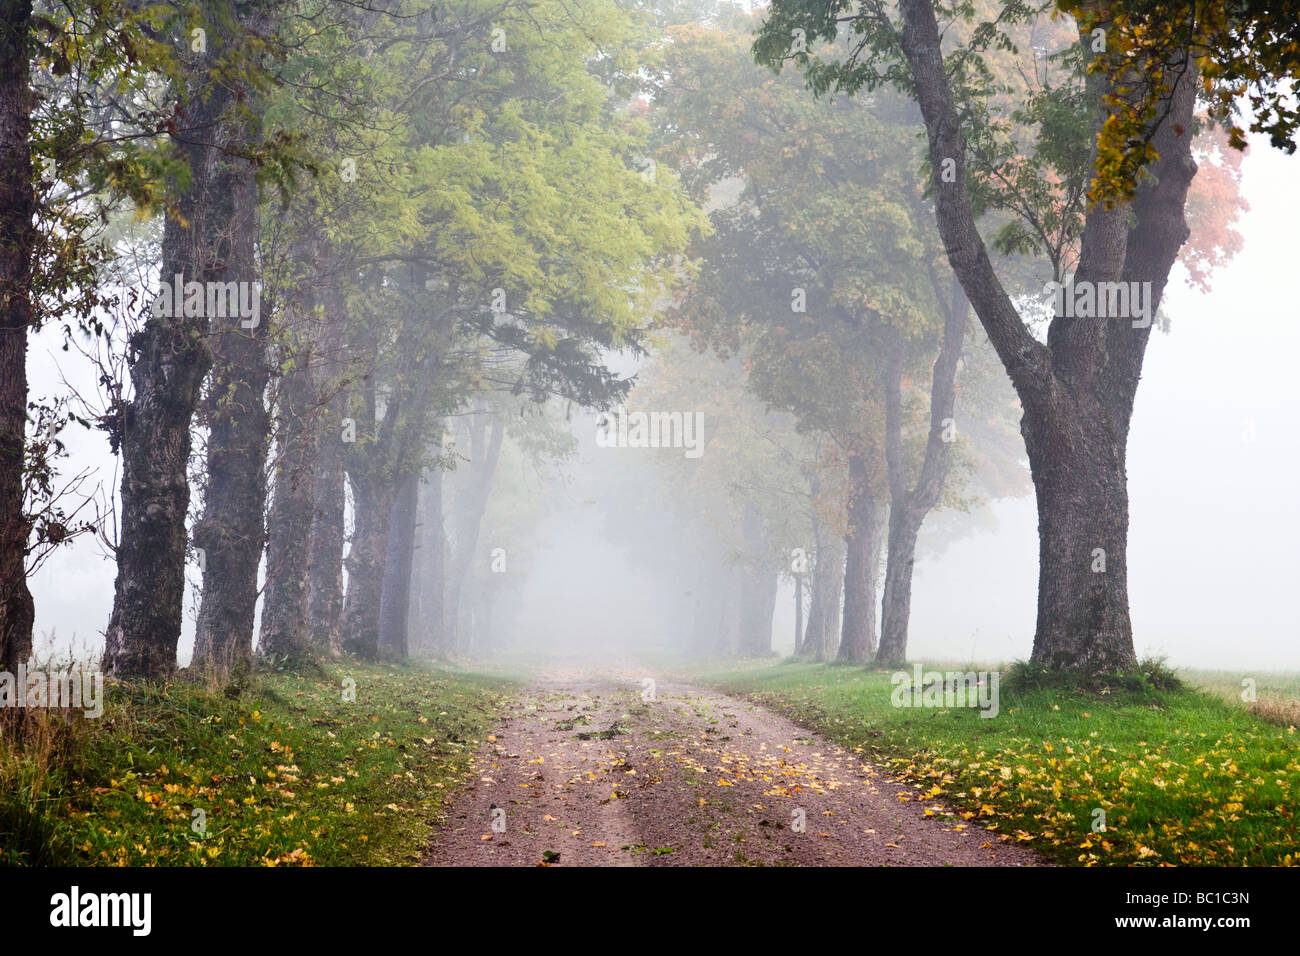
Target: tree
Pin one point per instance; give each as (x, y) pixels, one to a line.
(507, 219)
(64, 79)
(207, 239)
(825, 265)
(1077, 388)
(908, 506)
(17, 251)
(285, 628)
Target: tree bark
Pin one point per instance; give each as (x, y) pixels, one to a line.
(862, 556)
(372, 503)
(823, 606)
(829, 638)
(908, 508)
(430, 576)
(17, 251)
(325, 575)
(232, 531)
(471, 503)
(395, 601)
(285, 611)
(1077, 391)
(168, 359)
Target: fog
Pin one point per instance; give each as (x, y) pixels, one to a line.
(1212, 478)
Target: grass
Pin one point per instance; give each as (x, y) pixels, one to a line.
(1273, 697)
(282, 771)
(1182, 774)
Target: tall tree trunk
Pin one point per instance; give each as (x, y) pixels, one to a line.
(232, 531)
(325, 577)
(862, 555)
(416, 637)
(1077, 390)
(908, 508)
(17, 250)
(395, 601)
(168, 360)
(829, 641)
(1082, 495)
(372, 502)
(431, 582)
(285, 618)
(823, 608)
(825, 580)
(389, 457)
(471, 503)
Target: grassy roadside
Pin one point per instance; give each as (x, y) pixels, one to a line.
(282, 772)
(1183, 776)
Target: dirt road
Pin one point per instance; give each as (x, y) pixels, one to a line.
(587, 772)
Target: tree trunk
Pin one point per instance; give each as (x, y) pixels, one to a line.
(821, 633)
(325, 577)
(828, 640)
(285, 618)
(395, 602)
(825, 582)
(232, 531)
(896, 607)
(418, 645)
(372, 503)
(168, 360)
(1077, 391)
(17, 251)
(1082, 493)
(908, 509)
(430, 578)
(471, 503)
(862, 555)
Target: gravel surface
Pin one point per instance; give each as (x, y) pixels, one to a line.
(590, 773)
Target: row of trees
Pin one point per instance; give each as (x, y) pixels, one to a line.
(422, 221)
(826, 275)
(1102, 183)
(415, 226)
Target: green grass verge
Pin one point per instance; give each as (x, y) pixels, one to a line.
(285, 772)
(1183, 776)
